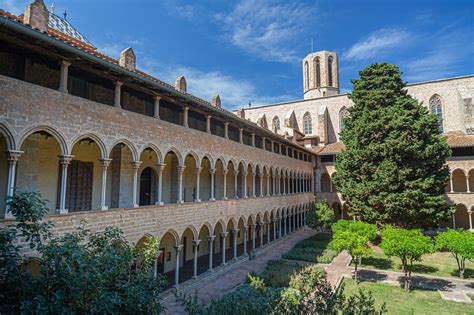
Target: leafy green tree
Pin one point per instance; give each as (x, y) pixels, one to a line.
(460, 244)
(358, 227)
(393, 169)
(408, 245)
(80, 272)
(321, 216)
(354, 243)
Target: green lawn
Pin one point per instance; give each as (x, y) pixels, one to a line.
(439, 264)
(416, 302)
(313, 249)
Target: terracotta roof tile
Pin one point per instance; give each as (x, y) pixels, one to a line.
(459, 139)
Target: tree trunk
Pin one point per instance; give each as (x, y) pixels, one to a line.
(461, 273)
(355, 271)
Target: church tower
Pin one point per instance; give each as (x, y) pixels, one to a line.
(320, 74)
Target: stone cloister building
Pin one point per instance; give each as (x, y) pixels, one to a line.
(109, 144)
(315, 123)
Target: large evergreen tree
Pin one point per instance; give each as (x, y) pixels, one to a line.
(393, 169)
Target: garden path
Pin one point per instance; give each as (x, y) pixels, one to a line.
(235, 274)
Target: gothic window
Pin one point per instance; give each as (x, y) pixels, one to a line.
(307, 124)
(343, 114)
(330, 71)
(436, 108)
(306, 75)
(317, 71)
(276, 124)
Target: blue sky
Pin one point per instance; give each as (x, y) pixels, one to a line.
(251, 50)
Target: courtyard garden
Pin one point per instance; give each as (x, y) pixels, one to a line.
(315, 249)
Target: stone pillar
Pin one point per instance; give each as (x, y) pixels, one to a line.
(469, 213)
(273, 185)
(135, 166)
(226, 130)
(224, 197)
(223, 235)
(268, 231)
(117, 94)
(12, 157)
(210, 240)
(63, 76)
(330, 184)
(185, 116)
(279, 226)
(253, 236)
(64, 161)
(279, 184)
(213, 172)
(274, 228)
(451, 183)
(155, 264)
(180, 183)
(208, 123)
(268, 185)
(264, 139)
(178, 249)
(105, 164)
(235, 234)
(284, 185)
(245, 227)
(198, 179)
(241, 135)
(467, 184)
(244, 174)
(253, 139)
(156, 112)
(261, 183)
(254, 174)
(294, 222)
(236, 173)
(261, 228)
(160, 168)
(195, 266)
(284, 223)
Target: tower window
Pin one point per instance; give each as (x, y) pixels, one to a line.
(307, 124)
(276, 124)
(436, 108)
(317, 71)
(330, 59)
(343, 114)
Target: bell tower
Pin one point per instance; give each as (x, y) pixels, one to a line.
(320, 74)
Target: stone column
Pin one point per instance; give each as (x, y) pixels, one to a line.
(195, 266)
(156, 112)
(254, 174)
(261, 228)
(63, 76)
(12, 157)
(261, 183)
(268, 185)
(245, 227)
(469, 213)
(117, 94)
(241, 135)
(135, 166)
(64, 161)
(223, 235)
(253, 236)
(294, 222)
(235, 234)
(198, 179)
(178, 249)
(279, 227)
(244, 174)
(264, 139)
(274, 229)
(279, 184)
(451, 183)
(467, 184)
(180, 183)
(155, 264)
(253, 139)
(213, 172)
(210, 240)
(105, 164)
(284, 223)
(185, 116)
(226, 130)
(160, 168)
(284, 185)
(330, 184)
(236, 173)
(208, 123)
(224, 197)
(268, 231)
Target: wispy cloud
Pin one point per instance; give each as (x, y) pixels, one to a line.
(377, 44)
(12, 6)
(234, 92)
(267, 29)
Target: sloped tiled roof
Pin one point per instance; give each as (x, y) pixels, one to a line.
(459, 139)
(331, 148)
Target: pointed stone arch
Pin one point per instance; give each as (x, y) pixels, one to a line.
(128, 144)
(53, 132)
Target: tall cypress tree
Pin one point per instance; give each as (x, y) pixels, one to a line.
(393, 169)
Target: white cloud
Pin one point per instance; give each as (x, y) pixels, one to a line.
(377, 43)
(266, 29)
(234, 92)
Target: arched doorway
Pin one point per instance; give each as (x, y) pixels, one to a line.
(147, 187)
